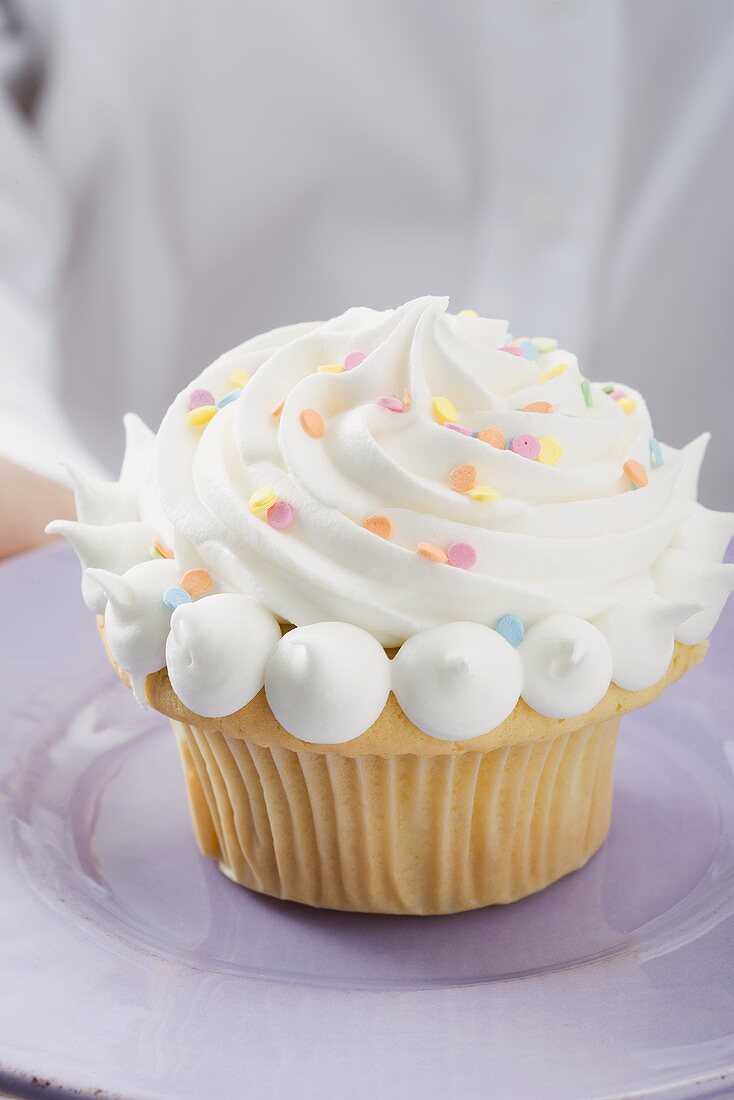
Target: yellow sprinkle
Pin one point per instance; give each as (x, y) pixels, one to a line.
(467, 313)
(484, 493)
(444, 411)
(239, 379)
(262, 499)
(198, 417)
(554, 372)
(331, 368)
(628, 404)
(551, 451)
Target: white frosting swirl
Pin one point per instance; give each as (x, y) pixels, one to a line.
(576, 536)
(570, 537)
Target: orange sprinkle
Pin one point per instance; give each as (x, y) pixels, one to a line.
(277, 411)
(433, 553)
(636, 473)
(492, 436)
(407, 399)
(161, 550)
(196, 582)
(379, 525)
(538, 407)
(312, 423)
(463, 478)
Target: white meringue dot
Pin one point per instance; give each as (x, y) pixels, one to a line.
(567, 666)
(217, 650)
(328, 682)
(457, 681)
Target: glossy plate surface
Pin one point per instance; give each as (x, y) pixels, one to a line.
(130, 965)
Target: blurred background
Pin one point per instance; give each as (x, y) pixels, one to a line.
(178, 175)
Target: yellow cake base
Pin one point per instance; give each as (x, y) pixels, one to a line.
(400, 834)
(396, 821)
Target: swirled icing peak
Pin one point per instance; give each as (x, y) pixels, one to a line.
(421, 477)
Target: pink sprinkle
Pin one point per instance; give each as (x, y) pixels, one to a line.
(391, 403)
(280, 515)
(353, 360)
(617, 394)
(197, 398)
(526, 445)
(462, 555)
(511, 350)
(458, 428)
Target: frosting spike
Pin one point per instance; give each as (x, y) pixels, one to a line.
(692, 454)
(682, 576)
(115, 547)
(118, 592)
(139, 451)
(101, 502)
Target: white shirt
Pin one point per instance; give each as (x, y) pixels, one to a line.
(177, 176)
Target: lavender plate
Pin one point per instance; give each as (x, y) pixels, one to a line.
(131, 967)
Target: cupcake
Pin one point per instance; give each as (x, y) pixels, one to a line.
(395, 578)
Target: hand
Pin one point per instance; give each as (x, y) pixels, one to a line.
(27, 503)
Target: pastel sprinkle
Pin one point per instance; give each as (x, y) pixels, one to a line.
(656, 452)
(174, 597)
(544, 344)
(467, 313)
(511, 349)
(554, 372)
(394, 404)
(379, 525)
(239, 379)
(353, 359)
(511, 629)
(275, 413)
(196, 582)
(462, 555)
(627, 404)
(526, 445)
(551, 451)
(484, 493)
(492, 436)
(228, 398)
(463, 478)
(432, 552)
(261, 500)
(312, 423)
(616, 393)
(443, 411)
(201, 415)
(407, 400)
(609, 389)
(587, 394)
(458, 428)
(636, 473)
(529, 349)
(280, 515)
(538, 407)
(197, 398)
(160, 550)
(331, 368)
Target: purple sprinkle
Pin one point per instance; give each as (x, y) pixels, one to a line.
(354, 359)
(391, 403)
(197, 398)
(526, 445)
(462, 555)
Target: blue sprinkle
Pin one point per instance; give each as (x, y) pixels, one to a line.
(529, 350)
(509, 338)
(511, 629)
(656, 452)
(508, 443)
(174, 597)
(228, 398)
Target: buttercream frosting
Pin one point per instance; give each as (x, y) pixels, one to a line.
(410, 475)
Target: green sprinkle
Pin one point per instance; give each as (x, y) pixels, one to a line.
(586, 391)
(609, 389)
(544, 344)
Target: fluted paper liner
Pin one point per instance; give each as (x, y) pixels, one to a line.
(404, 833)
